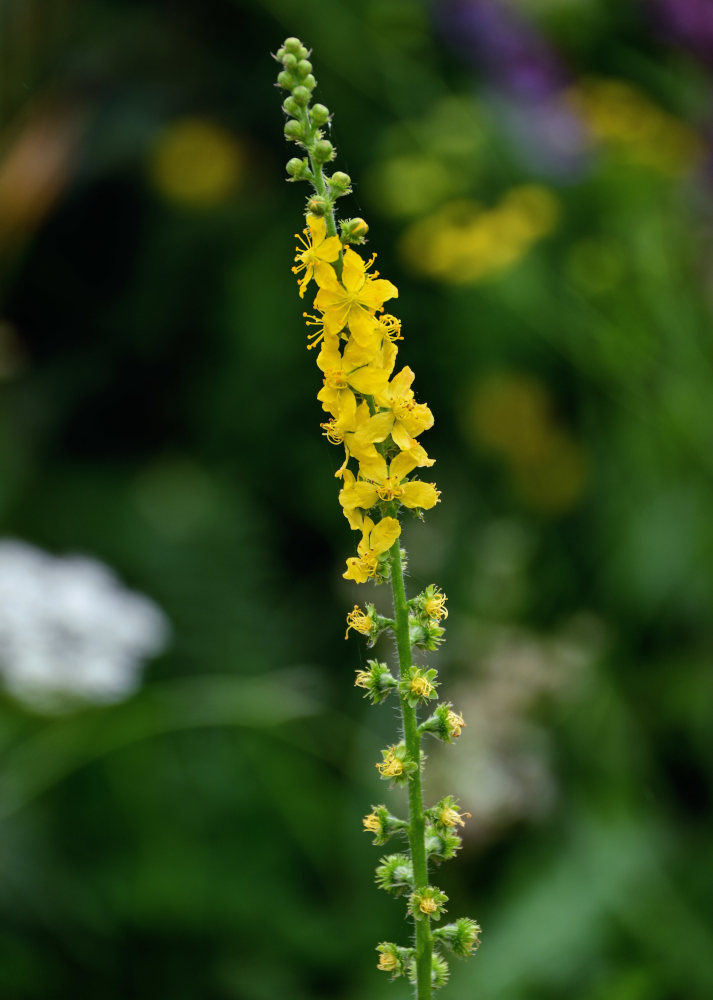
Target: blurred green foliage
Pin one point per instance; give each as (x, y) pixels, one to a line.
(537, 181)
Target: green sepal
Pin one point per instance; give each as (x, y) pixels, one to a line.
(428, 903)
(394, 959)
(440, 973)
(445, 816)
(462, 937)
(377, 681)
(442, 844)
(445, 724)
(425, 634)
(394, 874)
(388, 825)
(423, 680)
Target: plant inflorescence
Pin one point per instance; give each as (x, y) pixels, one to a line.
(373, 415)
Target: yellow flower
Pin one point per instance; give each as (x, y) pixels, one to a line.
(450, 817)
(353, 301)
(421, 686)
(318, 251)
(408, 418)
(435, 605)
(376, 539)
(356, 429)
(363, 679)
(388, 962)
(455, 723)
(372, 823)
(391, 766)
(380, 482)
(427, 905)
(342, 373)
(357, 620)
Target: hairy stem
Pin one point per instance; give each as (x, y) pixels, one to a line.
(416, 827)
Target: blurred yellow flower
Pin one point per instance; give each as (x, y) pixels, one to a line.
(622, 117)
(463, 242)
(196, 162)
(512, 414)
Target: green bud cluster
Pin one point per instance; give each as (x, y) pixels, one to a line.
(304, 127)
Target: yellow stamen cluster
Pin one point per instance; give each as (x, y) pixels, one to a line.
(456, 723)
(435, 606)
(372, 823)
(391, 766)
(360, 622)
(388, 962)
(368, 405)
(427, 905)
(421, 686)
(451, 817)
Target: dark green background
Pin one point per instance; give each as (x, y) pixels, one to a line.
(202, 840)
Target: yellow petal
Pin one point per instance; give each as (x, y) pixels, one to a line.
(352, 271)
(329, 250)
(362, 326)
(368, 380)
(404, 463)
(375, 470)
(417, 494)
(401, 437)
(376, 291)
(318, 228)
(378, 427)
(355, 571)
(384, 534)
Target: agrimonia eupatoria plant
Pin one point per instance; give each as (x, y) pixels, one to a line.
(373, 415)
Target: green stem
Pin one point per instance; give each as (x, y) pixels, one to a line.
(417, 824)
(318, 177)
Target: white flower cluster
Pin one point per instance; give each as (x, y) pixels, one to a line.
(69, 631)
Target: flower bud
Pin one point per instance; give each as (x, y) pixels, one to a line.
(309, 82)
(319, 114)
(290, 61)
(297, 169)
(323, 151)
(293, 45)
(280, 54)
(285, 80)
(304, 66)
(317, 205)
(294, 130)
(462, 937)
(395, 874)
(291, 106)
(301, 95)
(354, 231)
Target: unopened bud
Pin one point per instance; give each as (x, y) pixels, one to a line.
(294, 130)
(290, 61)
(304, 66)
(317, 205)
(297, 168)
(301, 95)
(323, 151)
(291, 106)
(319, 114)
(354, 230)
(285, 80)
(293, 45)
(309, 82)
